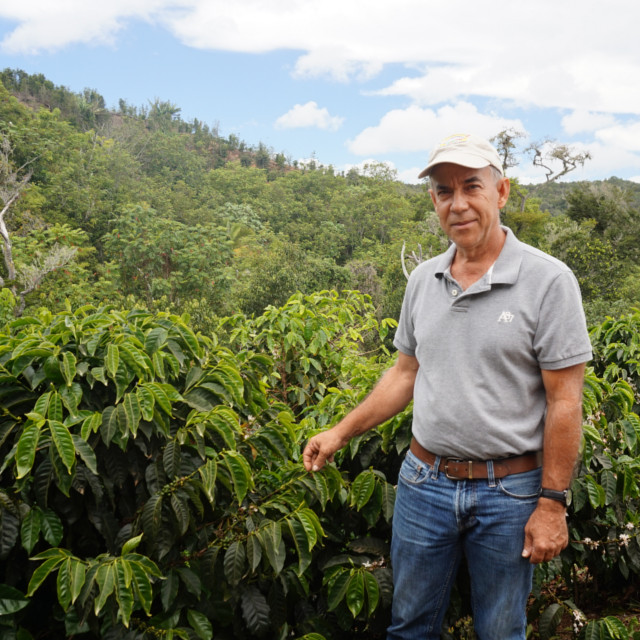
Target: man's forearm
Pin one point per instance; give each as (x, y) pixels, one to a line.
(391, 395)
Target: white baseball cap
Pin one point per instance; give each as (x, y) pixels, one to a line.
(465, 149)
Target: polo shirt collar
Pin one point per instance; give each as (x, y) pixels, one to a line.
(506, 267)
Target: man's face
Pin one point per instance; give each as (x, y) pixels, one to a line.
(468, 203)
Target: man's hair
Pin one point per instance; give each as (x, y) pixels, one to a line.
(497, 176)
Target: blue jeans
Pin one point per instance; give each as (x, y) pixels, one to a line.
(435, 522)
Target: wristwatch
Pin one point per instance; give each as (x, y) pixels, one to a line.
(563, 497)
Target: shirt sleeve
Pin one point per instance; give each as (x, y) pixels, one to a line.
(404, 339)
(561, 338)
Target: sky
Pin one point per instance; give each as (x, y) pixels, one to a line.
(349, 82)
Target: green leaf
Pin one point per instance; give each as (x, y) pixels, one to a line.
(42, 404)
(26, 450)
(131, 545)
(11, 600)
(592, 631)
(64, 443)
(78, 574)
(171, 458)
(255, 610)
(549, 620)
(146, 402)
(373, 591)
(63, 583)
(134, 358)
(309, 520)
(142, 585)
(181, 511)
(388, 500)
(337, 588)
(596, 493)
(132, 412)
(200, 624)
(615, 627)
(160, 396)
(630, 488)
(52, 528)
(41, 573)
(30, 529)
(124, 591)
(55, 407)
(112, 361)
(234, 563)
(270, 536)
(86, 453)
(355, 593)
(155, 339)
(208, 473)
(361, 489)
(90, 425)
(106, 581)
(239, 471)
(299, 535)
(152, 515)
(71, 397)
(68, 367)
(254, 552)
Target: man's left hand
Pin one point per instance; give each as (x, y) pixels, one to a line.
(546, 533)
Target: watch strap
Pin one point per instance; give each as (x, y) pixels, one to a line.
(552, 494)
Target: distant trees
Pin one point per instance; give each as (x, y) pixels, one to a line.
(151, 210)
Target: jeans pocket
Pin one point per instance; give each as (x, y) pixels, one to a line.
(525, 486)
(413, 470)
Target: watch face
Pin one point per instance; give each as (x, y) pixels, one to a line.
(568, 494)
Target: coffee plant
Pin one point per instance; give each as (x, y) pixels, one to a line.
(151, 484)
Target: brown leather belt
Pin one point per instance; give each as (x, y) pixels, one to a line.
(457, 469)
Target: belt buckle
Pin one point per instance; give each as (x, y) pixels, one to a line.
(469, 464)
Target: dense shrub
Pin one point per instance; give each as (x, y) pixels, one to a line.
(151, 485)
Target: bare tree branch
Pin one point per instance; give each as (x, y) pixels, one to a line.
(31, 276)
(547, 153)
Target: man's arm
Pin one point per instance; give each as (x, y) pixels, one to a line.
(391, 395)
(546, 533)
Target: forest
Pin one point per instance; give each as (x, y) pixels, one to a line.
(180, 311)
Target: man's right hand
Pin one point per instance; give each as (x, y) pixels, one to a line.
(321, 448)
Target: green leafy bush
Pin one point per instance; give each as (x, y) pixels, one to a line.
(151, 486)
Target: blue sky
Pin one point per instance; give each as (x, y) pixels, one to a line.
(350, 82)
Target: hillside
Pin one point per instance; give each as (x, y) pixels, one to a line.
(134, 205)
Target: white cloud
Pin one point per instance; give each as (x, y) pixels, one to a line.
(49, 26)
(581, 121)
(622, 136)
(544, 55)
(583, 58)
(309, 115)
(419, 129)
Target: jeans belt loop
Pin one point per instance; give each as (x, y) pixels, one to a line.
(490, 473)
(435, 469)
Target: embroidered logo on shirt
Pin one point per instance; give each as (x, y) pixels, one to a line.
(506, 316)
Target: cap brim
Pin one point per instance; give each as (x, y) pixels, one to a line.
(468, 160)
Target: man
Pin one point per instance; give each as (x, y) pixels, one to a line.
(492, 344)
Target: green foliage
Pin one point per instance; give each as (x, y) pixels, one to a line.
(604, 515)
(159, 257)
(152, 477)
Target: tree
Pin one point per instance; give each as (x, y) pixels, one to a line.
(13, 181)
(548, 153)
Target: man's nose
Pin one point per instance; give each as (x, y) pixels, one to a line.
(459, 201)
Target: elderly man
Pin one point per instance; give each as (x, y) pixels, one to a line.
(492, 345)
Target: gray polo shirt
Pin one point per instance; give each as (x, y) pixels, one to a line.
(479, 393)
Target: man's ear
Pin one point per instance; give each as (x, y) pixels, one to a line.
(504, 188)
